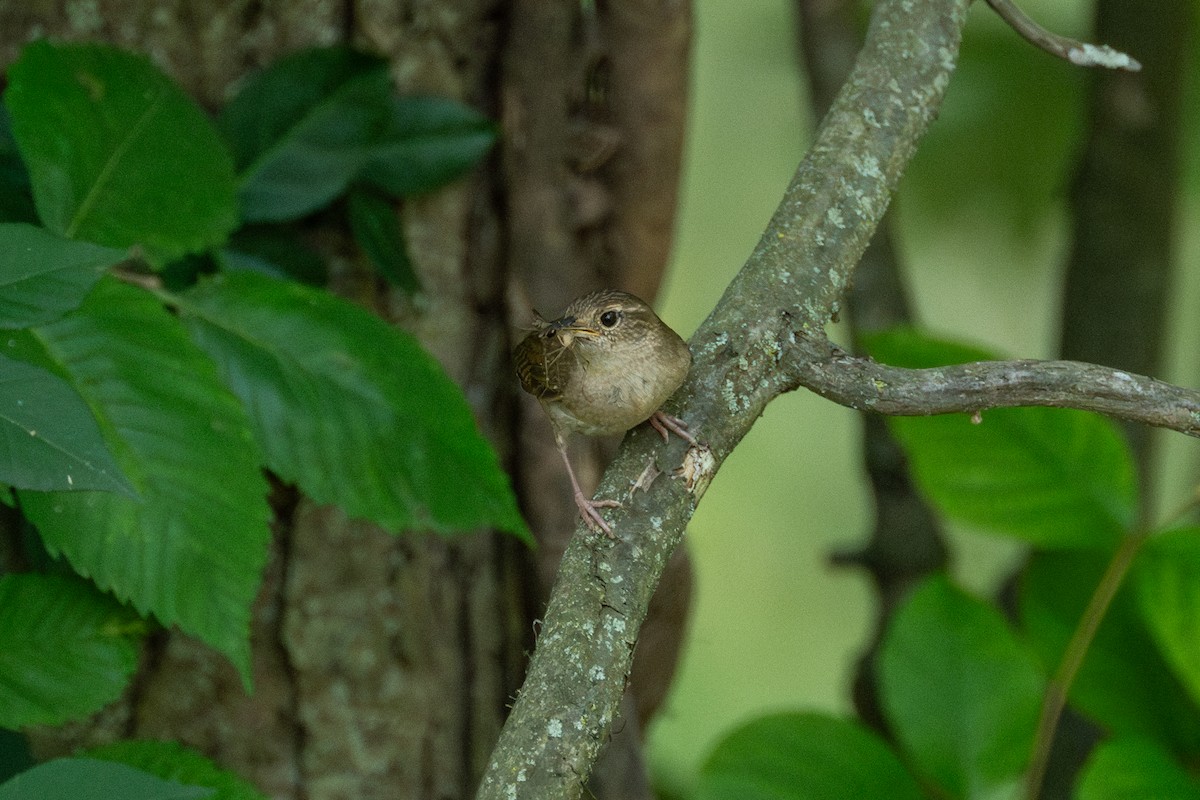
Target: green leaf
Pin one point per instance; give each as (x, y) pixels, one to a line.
(1054, 477)
(377, 230)
(274, 250)
(1134, 769)
(1124, 684)
(352, 410)
(90, 779)
(961, 693)
(191, 550)
(66, 650)
(43, 276)
(428, 142)
(117, 154)
(50, 439)
(1166, 578)
(302, 129)
(804, 757)
(173, 761)
(16, 200)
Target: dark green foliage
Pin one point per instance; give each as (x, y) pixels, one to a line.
(961, 688)
(118, 154)
(139, 414)
(46, 680)
(804, 757)
(92, 779)
(174, 762)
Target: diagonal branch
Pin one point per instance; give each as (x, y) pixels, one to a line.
(791, 282)
(754, 346)
(971, 388)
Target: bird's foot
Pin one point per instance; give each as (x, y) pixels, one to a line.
(591, 517)
(666, 424)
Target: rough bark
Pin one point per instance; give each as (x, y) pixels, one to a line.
(1124, 199)
(383, 665)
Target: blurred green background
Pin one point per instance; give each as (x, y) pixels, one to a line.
(982, 235)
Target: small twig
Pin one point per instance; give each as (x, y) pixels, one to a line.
(1059, 687)
(134, 277)
(1079, 53)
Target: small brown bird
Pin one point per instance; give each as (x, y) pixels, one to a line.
(604, 366)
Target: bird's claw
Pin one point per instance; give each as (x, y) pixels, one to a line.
(667, 424)
(591, 517)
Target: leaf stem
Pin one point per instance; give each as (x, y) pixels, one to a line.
(1081, 640)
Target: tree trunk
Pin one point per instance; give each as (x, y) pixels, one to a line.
(383, 665)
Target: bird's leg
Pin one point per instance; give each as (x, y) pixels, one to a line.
(587, 508)
(664, 422)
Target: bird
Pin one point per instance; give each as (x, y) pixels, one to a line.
(606, 365)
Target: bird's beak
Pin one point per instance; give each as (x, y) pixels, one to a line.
(567, 328)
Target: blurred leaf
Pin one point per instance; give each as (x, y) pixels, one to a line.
(1134, 769)
(66, 650)
(804, 757)
(1166, 578)
(274, 250)
(377, 230)
(350, 409)
(1055, 477)
(1005, 135)
(191, 550)
(117, 153)
(302, 129)
(961, 693)
(50, 438)
(43, 276)
(173, 761)
(89, 779)
(1124, 684)
(14, 754)
(428, 142)
(16, 198)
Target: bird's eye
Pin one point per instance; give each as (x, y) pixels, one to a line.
(609, 319)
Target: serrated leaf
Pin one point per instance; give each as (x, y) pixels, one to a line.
(1134, 769)
(49, 439)
(173, 761)
(66, 650)
(1057, 478)
(302, 129)
(1123, 684)
(376, 228)
(1166, 578)
(191, 550)
(352, 410)
(43, 276)
(427, 142)
(962, 694)
(117, 153)
(804, 757)
(92, 779)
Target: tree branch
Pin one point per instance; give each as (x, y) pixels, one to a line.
(1079, 53)
(791, 282)
(866, 385)
(753, 347)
